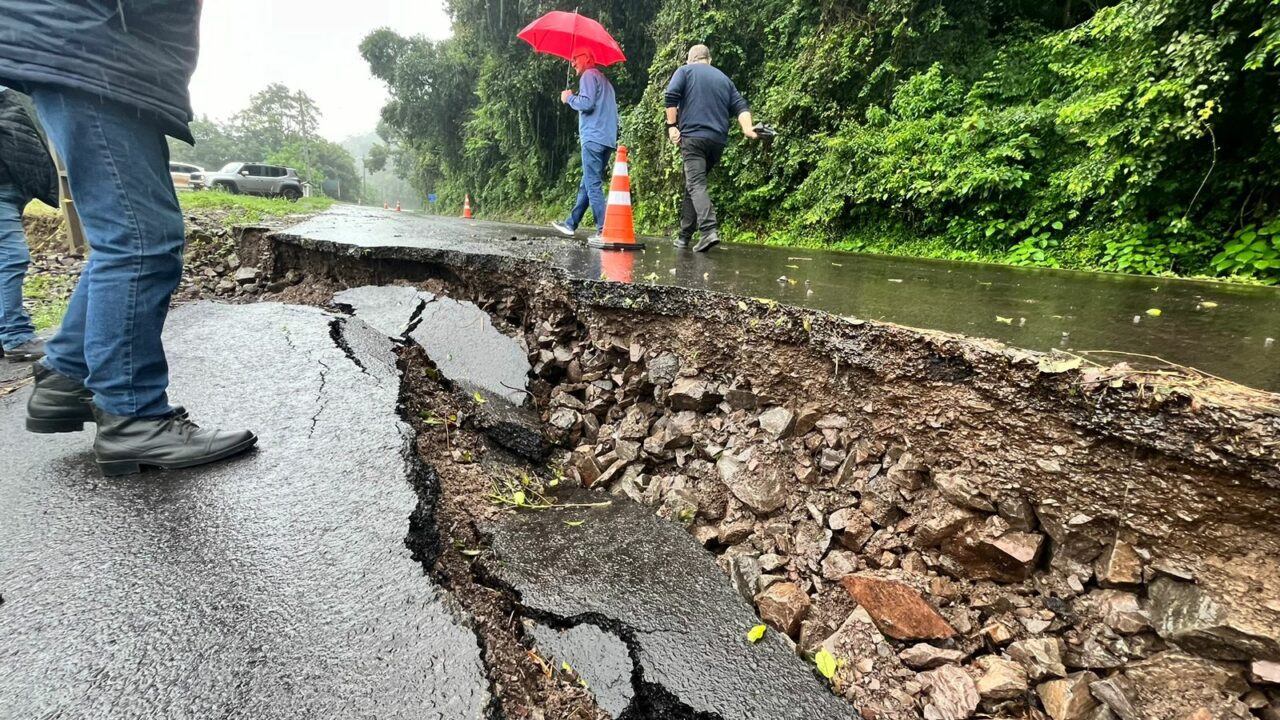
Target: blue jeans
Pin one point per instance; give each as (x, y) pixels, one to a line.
(15, 324)
(591, 193)
(118, 165)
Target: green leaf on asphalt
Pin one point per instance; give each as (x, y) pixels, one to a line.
(808, 325)
(519, 498)
(742, 306)
(574, 523)
(826, 663)
(479, 398)
(1004, 320)
(1155, 312)
(757, 633)
(1208, 305)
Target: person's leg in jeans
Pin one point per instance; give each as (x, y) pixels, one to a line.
(118, 167)
(594, 178)
(117, 164)
(688, 218)
(583, 201)
(15, 325)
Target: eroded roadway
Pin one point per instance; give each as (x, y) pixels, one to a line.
(274, 586)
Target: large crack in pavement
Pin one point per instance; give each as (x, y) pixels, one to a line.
(684, 633)
(273, 586)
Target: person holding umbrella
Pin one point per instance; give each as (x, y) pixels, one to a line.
(588, 46)
(597, 107)
(700, 102)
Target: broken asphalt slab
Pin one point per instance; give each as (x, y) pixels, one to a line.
(275, 585)
(646, 580)
(469, 351)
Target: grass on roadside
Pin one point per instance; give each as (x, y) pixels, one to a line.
(244, 209)
(47, 297)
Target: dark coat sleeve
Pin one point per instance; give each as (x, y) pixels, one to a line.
(24, 157)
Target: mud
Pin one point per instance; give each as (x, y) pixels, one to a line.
(1182, 471)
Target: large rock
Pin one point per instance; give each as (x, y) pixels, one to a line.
(778, 422)
(922, 656)
(960, 490)
(898, 610)
(989, 550)
(1042, 657)
(784, 607)
(940, 521)
(757, 483)
(1069, 698)
(1121, 611)
(693, 394)
(1001, 679)
(853, 529)
(1191, 616)
(1176, 685)
(1118, 695)
(951, 694)
(1119, 566)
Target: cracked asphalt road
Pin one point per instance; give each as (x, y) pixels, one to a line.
(273, 586)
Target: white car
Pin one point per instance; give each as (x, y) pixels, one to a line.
(186, 176)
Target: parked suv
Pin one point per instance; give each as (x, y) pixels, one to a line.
(186, 176)
(257, 179)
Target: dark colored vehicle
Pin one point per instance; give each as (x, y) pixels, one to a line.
(256, 179)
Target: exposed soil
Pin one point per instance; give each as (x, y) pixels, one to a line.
(456, 489)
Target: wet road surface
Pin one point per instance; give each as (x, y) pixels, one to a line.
(272, 586)
(1215, 327)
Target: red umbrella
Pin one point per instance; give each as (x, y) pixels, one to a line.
(561, 33)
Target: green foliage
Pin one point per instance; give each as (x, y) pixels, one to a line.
(1253, 252)
(1128, 135)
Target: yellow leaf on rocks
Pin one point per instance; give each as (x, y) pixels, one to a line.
(826, 663)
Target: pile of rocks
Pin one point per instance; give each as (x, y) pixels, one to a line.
(213, 269)
(942, 596)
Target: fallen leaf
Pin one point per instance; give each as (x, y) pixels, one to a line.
(826, 663)
(574, 523)
(479, 398)
(1155, 312)
(1208, 305)
(1054, 367)
(519, 498)
(1005, 320)
(757, 633)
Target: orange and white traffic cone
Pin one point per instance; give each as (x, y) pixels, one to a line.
(397, 206)
(466, 207)
(619, 222)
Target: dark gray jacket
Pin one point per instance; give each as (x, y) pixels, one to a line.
(24, 159)
(139, 53)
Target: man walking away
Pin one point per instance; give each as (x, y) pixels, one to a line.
(110, 80)
(701, 100)
(597, 107)
(26, 173)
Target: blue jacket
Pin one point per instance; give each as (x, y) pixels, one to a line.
(707, 100)
(597, 107)
(140, 53)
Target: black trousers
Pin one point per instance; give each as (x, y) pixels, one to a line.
(700, 158)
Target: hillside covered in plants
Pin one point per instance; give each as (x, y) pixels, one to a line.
(1134, 135)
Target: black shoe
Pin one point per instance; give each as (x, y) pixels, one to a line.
(681, 243)
(26, 352)
(124, 444)
(59, 404)
(708, 241)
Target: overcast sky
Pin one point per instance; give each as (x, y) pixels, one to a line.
(310, 45)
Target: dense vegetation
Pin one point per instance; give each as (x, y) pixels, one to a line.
(1129, 135)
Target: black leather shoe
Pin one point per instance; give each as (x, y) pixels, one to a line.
(124, 444)
(59, 404)
(681, 243)
(26, 352)
(708, 241)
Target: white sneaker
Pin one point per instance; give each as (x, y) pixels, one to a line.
(563, 229)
